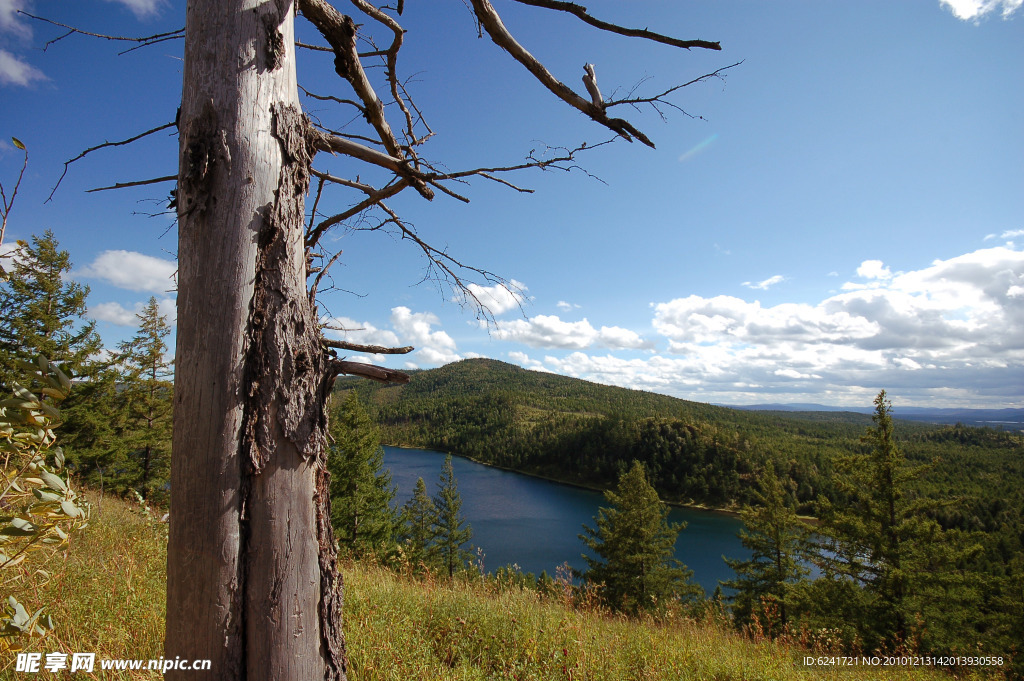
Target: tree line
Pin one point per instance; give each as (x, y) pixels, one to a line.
(116, 427)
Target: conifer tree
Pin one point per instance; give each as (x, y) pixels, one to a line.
(883, 540)
(778, 544)
(145, 400)
(451, 531)
(41, 312)
(635, 545)
(417, 536)
(361, 490)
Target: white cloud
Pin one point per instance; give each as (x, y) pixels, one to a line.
(132, 271)
(764, 285)
(975, 9)
(362, 333)
(874, 269)
(960, 319)
(497, 299)
(8, 252)
(10, 22)
(549, 331)
(566, 307)
(949, 334)
(142, 8)
(13, 71)
(115, 313)
(414, 328)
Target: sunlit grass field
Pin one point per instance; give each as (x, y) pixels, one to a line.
(107, 597)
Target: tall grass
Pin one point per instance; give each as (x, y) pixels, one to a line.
(107, 596)
(109, 599)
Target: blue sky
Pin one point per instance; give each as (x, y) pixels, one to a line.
(844, 213)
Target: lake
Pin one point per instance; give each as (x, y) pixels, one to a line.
(534, 523)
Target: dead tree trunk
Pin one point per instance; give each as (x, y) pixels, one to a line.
(252, 578)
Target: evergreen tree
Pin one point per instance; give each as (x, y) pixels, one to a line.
(450, 531)
(361, 491)
(42, 312)
(778, 544)
(635, 545)
(145, 399)
(883, 541)
(417, 536)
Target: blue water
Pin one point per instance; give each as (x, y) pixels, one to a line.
(533, 523)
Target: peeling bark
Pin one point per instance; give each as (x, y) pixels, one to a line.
(253, 583)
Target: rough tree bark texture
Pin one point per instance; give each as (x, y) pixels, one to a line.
(252, 576)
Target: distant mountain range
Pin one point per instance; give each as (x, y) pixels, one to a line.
(1012, 419)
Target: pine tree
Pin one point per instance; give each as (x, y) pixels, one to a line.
(450, 531)
(417, 535)
(42, 312)
(635, 545)
(145, 400)
(778, 544)
(361, 491)
(883, 541)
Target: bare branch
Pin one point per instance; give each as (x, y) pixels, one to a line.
(581, 12)
(442, 267)
(317, 48)
(391, 59)
(321, 274)
(491, 22)
(340, 145)
(103, 146)
(340, 31)
(521, 190)
(372, 349)
(660, 97)
(138, 183)
(374, 198)
(143, 42)
(329, 98)
(351, 184)
(374, 373)
(5, 203)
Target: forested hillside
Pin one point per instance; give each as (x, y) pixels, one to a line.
(961, 486)
(583, 432)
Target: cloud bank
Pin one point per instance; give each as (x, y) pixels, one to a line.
(132, 271)
(950, 334)
(976, 9)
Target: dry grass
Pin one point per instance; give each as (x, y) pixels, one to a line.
(109, 599)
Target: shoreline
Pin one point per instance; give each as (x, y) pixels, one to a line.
(693, 507)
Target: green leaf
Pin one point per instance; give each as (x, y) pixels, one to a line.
(46, 496)
(15, 561)
(53, 482)
(55, 393)
(18, 403)
(70, 510)
(18, 143)
(62, 377)
(12, 531)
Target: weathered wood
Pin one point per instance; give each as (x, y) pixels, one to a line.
(252, 576)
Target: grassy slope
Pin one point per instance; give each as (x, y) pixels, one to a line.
(109, 599)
